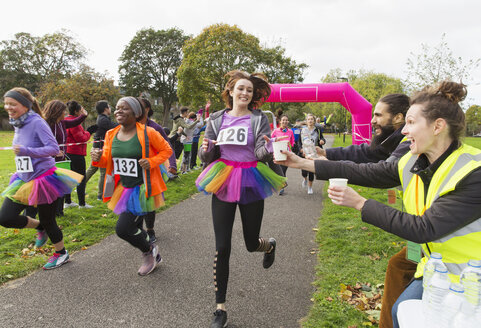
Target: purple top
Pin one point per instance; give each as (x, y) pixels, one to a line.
(59, 130)
(233, 152)
(37, 142)
(160, 129)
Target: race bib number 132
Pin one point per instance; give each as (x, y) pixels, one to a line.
(23, 164)
(125, 166)
(236, 135)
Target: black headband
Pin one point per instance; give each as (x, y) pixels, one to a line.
(19, 97)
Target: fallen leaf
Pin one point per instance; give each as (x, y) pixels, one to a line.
(350, 227)
(84, 248)
(329, 298)
(363, 228)
(315, 229)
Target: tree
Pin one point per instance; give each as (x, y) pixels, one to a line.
(29, 61)
(86, 86)
(221, 48)
(473, 120)
(149, 63)
(436, 64)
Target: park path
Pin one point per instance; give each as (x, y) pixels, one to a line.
(101, 288)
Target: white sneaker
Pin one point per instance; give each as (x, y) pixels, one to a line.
(309, 191)
(87, 206)
(304, 183)
(72, 204)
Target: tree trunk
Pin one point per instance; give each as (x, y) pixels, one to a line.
(166, 116)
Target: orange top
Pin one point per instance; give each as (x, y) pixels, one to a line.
(159, 152)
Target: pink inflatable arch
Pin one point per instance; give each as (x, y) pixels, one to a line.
(342, 93)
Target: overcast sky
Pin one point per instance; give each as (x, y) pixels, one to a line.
(376, 35)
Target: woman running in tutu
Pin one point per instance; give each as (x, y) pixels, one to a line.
(235, 144)
(37, 182)
(133, 183)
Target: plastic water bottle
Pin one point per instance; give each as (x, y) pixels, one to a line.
(471, 280)
(307, 144)
(438, 289)
(466, 317)
(451, 305)
(429, 267)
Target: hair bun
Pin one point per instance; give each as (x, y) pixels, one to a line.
(453, 91)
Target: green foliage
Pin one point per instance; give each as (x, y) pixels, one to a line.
(436, 64)
(85, 86)
(473, 120)
(221, 48)
(149, 63)
(28, 60)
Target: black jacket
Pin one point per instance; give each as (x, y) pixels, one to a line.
(446, 214)
(104, 124)
(390, 149)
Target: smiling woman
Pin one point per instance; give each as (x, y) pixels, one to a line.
(133, 152)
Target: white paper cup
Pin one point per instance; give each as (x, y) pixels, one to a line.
(278, 146)
(338, 182)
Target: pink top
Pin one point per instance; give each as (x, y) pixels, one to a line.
(279, 132)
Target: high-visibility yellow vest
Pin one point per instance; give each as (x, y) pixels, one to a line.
(459, 246)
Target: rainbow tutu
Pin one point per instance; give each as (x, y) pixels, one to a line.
(239, 182)
(133, 200)
(44, 189)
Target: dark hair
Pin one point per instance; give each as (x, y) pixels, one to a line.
(283, 115)
(101, 105)
(262, 89)
(397, 102)
(442, 101)
(191, 115)
(184, 109)
(53, 110)
(24, 92)
(150, 113)
(73, 107)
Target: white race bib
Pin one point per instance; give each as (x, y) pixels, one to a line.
(236, 135)
(24, 164)
(125, 166)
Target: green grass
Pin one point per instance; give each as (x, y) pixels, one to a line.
(81, 229)
(345, 243)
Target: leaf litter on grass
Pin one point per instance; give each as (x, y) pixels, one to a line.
(365, 298)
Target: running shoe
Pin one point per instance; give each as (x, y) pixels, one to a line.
(56, 260)
(71, 204)
(309, 191)
(151, 259)
(86, 206)
(281, 192)
(304, 183)
(152, 238)
(271, 256)
(41, 238)
(220, 319)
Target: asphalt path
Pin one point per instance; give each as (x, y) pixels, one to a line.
(100, 286)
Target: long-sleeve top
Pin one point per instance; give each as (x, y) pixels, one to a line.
(180, 121)
(284, 132)
(104, 123)
(37, 141)
(391, 147)
(446, 214)
(158, 128)
(75, 135)
(59, 131)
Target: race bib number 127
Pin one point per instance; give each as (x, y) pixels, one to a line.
(236, 135)
(24, 164)
(125, 166)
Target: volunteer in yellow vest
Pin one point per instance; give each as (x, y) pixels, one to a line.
(441, 179)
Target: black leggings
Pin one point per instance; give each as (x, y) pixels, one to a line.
(129, 228)
(149, 219)
(78, 165)
(223, 215)
(10, 218)
(305, 174)
(284, 169)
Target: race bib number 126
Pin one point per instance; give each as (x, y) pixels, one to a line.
(236, 135)
(125, 166)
